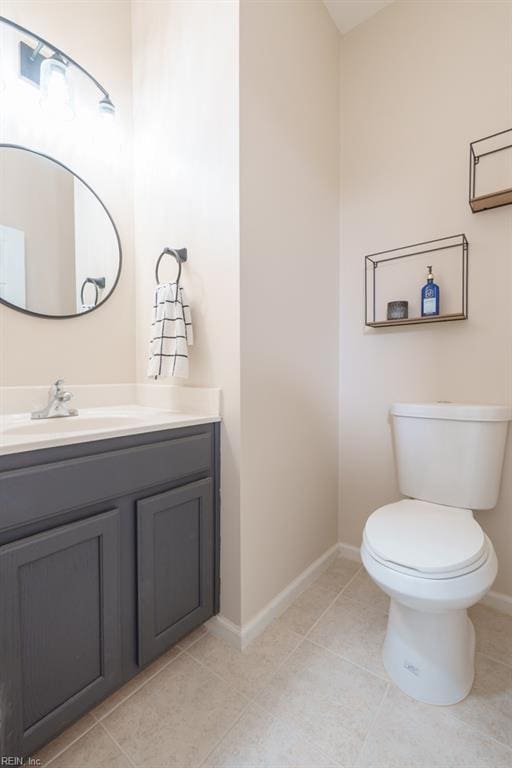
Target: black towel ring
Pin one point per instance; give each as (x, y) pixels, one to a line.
(180, 254)
(97, 282)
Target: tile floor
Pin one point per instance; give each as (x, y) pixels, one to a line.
(310, 692)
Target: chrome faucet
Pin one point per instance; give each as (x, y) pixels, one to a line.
(57, 403)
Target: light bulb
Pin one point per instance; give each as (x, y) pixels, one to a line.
(106, 110)
(56, 95)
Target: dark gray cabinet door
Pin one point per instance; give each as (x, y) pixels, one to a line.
(59, 636)
(175, 565)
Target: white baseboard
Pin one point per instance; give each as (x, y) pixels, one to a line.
(225, 629)
(497, 600)
(240, 637)
(349, 551)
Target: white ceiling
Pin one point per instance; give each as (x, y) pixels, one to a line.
(347, 14)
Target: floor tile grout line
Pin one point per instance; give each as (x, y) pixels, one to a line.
(92, 727)
(301, 642)
(303, 735)
(364, 604)
(114, 740)
(383, 679)
(132, 693)
(349, 661)
(452, 712)
(64, 749)
(259, 708)
(186, 651)
(212, 671)
(476, 730)
(494, 659)
(253, 698)
(312, 627)
(449, 712)
(181, 650)
(246, 701)
(249, 699)
(373, 722)
(256, 703)
(228, 731)
(203, 634)
(387, 681)
(354, 599)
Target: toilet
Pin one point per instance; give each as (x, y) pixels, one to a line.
(427, 551)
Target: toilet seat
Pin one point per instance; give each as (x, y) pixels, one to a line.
(426, 540)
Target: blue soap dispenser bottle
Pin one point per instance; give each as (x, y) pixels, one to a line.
(430, 296)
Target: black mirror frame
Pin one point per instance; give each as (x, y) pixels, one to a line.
(118, 239)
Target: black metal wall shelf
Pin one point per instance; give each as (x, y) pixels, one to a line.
(457, 244)
(489, 145)
(416, 320)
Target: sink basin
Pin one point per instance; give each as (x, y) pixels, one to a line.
(72, 424)
(18, 432)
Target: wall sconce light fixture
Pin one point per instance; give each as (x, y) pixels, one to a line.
(56, 95)
(48, 70)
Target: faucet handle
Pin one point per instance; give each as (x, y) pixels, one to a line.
(57, 391)
(57, 397)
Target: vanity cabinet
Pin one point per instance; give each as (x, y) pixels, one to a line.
(109, 554)
(59, 638)
(175, 553)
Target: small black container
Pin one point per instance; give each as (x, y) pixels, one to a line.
(398, 310)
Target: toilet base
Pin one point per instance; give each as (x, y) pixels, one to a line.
(430, 656)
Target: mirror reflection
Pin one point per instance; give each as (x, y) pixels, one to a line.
(60, 254)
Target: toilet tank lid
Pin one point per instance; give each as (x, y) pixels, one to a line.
(453, 411)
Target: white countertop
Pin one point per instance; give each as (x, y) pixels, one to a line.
(19, 433)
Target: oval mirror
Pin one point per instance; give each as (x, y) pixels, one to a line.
(60, 253)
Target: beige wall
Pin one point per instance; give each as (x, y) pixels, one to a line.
(262, 276)
(185, 83)
(419, 82)
(186, 194)
(98, 35)
(289, 150)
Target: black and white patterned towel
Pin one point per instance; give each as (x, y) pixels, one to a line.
(171, 333)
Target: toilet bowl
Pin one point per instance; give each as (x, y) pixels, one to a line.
(429, 646)
(429, 554)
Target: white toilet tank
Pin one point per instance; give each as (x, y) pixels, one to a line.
(450, 453)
